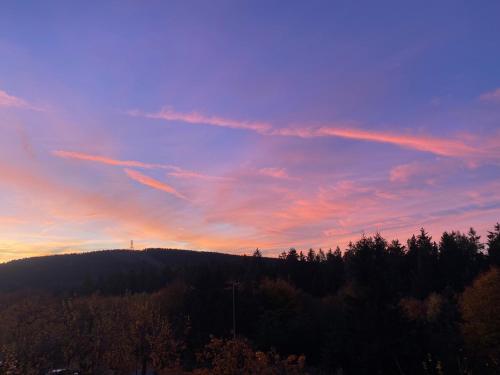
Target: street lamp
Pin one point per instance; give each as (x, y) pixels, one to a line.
(234, 285)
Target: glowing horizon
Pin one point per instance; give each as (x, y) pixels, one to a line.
(230, 127)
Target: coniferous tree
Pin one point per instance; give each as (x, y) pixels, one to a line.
(494, 245)
(422, 260)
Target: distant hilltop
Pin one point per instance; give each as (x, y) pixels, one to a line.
(69, 271)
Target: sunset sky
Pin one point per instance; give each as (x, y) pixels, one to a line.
(231, 125)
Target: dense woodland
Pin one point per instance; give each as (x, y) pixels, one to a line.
(421, 307)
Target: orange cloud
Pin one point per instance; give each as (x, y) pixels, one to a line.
(177, 171)
(438, 146)
(238, 219)
(104, 160)
(62, 200)
(151, 182)
(9, 220)
(127, 217)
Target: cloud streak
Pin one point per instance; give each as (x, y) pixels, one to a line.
(279, 173)
(438, 146)
(196, 118)
(491, 96)
(76, 207)
(10, 101)
(176, 171)
(61, 201)
(186, 174)
(105, 160)
(153, 183)
(429, 172)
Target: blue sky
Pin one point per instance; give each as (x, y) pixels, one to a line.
(229, 125)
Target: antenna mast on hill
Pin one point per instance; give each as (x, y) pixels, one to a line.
(131, 244)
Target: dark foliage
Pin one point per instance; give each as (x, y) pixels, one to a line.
(377, 308)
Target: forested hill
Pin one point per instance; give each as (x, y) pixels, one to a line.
(111, 269)
(420, 307)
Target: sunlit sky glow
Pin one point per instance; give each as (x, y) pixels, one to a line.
(231, 125)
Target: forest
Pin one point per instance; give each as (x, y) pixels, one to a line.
(424, 306)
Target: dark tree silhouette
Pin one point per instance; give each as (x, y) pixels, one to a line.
(494, 245)
(377, 308)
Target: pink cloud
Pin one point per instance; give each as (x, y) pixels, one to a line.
(176, 171)
(197, 118)
(405, 172)
(286, 217)
(9, 220)
(491, 96)
(10, 101)
(401, 173)
(329, 215)
(153, 183)
(71, 207)
(439, 146)
(430, 172)
(105, 160)
(241, 216)
(186, 174)
(279, 173)
(7, 100)
(71, 204)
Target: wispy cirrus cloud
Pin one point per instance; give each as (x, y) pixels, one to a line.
(175, 170)
(404, 172)
(8, 220)
(437, 146)
(153, 183)
(428, 172)
(279, 173)
(187, 174)
(449, 147)
(491, 96)
(74, 204)
(10, 101)
(434, 145)
(105, 160)
(72, 207)
(169, 114)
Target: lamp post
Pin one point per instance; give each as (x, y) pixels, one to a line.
(234, 313)
(234, 285)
